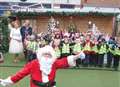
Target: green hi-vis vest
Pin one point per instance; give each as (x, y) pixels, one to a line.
(87, 47)
(77, 48)
(117, 51)
(95, 48)
(103, 49)
(57, 52)
(32, 46)
(66, 48)
(110, 50)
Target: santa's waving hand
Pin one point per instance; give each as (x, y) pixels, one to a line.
(43, 69)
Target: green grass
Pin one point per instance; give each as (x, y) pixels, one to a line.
(8, 60)
(69, 77)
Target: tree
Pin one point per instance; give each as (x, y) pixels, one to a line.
(4, 35)
(72, 27)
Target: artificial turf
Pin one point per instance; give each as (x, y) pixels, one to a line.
(67, 77)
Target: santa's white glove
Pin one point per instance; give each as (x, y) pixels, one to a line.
(6, 82)
(81, 55)
(72, 59)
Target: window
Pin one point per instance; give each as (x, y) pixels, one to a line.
(67, 6)
(67, 1)
(46, 5)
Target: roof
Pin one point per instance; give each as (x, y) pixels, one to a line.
(56, 7)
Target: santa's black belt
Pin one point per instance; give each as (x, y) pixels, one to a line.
(41, 84)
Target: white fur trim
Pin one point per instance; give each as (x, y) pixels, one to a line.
(82, 55)
(71, 60)
(46, 49)
(9, 80)
(45, 77)
(6, 82)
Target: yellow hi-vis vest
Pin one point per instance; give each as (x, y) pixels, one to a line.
(87, 47)
(117, 51)
(103, 49)
(66, 48)
(32, 46)
(110, 50)
(95, 49)
(57, 52)
(77, 48)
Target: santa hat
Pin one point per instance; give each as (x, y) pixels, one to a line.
(46, 49)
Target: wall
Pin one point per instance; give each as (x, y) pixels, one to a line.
(105, 3)
(104, 23)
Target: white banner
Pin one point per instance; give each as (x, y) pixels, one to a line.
(47, 1)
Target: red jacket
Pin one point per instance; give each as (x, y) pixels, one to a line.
(33, 69)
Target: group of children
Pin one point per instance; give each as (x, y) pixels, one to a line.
(95, 47)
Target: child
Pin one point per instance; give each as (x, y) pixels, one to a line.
(31, 48)
(116, 58)
(65, 45)
(1, 58)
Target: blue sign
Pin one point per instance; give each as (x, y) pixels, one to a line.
(1, 12)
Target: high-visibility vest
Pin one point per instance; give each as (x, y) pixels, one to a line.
(77, 48)
(66, 48)
(110, 49)
(95, 48)
(103, 49)
(87, 47)
(57, 52)
(32, 46)
(117, 51)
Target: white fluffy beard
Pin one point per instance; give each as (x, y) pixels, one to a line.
(46, 64)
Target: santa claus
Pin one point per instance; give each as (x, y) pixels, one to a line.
(43, 69)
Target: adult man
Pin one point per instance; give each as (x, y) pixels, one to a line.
(43, 69)
(26, 31)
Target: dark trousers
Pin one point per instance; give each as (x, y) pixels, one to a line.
(86, 60)
(109, 59)
(116, 61)
(91, 60)
(78, 62)
(25, 50)
(100, 60)
(25, 53)
(31, 56)
(94, 59)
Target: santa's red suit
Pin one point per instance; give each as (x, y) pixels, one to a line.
(40, 71)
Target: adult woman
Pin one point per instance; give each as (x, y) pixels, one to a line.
(15, 46)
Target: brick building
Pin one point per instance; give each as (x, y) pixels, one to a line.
(100, 12)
